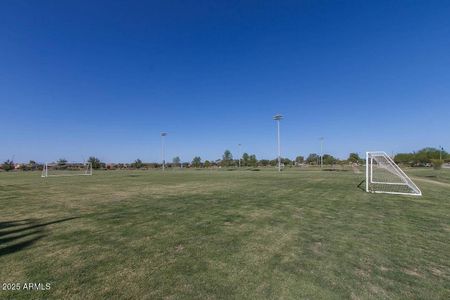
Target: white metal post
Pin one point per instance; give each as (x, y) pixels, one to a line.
(44, 170)
(367, 171)
(279, 147)
(162, 151)
(371, 169)
(239, 145)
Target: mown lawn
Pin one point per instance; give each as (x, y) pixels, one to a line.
(223, 234)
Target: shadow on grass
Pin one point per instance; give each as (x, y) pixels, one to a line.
(360, 185)
(21, 234)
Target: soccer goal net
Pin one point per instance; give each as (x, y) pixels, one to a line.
(66, 169)
(383, 175)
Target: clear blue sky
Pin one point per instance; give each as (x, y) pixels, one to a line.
(103, 78)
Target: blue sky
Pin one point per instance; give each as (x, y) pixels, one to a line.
(103, 78)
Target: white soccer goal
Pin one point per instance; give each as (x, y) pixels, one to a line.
(383, 175)
(66, 169)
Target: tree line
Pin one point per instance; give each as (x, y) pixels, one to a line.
(227, 160)
(424, 157)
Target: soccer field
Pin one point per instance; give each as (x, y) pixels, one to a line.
(223, 234)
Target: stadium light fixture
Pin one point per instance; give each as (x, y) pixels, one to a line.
(278, 118)
(163, 134)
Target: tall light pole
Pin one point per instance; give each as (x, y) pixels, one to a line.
(321, 152)
(239, 145)
(277, 118)
(440, 152)
(163, 134)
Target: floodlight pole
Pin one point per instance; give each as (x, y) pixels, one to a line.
(239, 145)
(321, 152)
(440, 152)
(163, 134)
(277, 118)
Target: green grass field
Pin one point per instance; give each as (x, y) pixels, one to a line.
(224, 234)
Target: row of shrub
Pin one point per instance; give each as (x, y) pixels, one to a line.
(425, 157)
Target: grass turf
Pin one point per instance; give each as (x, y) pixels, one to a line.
(219, 234)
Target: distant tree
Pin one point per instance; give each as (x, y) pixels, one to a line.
(422, 157)
(299, 160)
(425, 155)
(176, 161)
(312, 159)
(437, 163)
(207, 164)
(137, 164)
(61, 162)
(354, 158)
(95, 162)
(32, 165)
(8, 165)
(405, 158)
(197, 162)
(245, 159)
(329, 159)
(252, 161)
(227, 158)
(263, 162)
(286, 161)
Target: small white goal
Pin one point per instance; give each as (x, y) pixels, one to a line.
(66, 169)
(383, 175)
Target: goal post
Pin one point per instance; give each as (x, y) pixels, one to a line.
(383, 175)
(66, 169)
